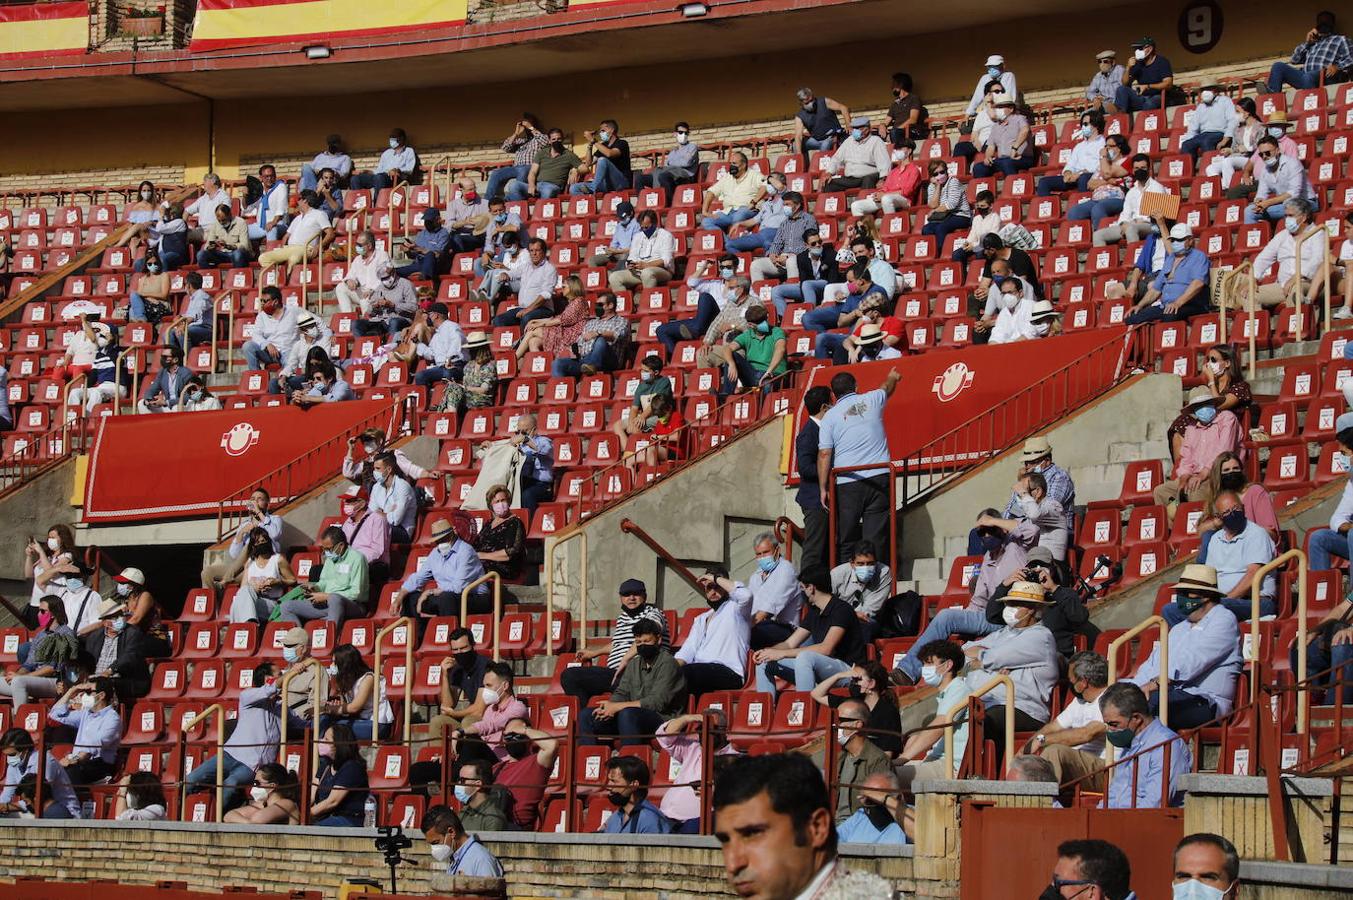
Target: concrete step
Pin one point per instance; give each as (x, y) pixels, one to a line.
(1127, 452)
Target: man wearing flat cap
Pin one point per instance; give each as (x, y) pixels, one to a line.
(861, 161)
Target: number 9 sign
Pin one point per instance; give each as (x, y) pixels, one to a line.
(1200, 26)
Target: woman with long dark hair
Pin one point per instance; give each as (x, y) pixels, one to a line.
(356, 685)
(340, 790)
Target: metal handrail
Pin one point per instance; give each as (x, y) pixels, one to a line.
(1164, 645)
(785, 531)
(997, 680)
(1225, 294)
(627, 526)
(408, 625)
(559, 541)
(134, 395)
(497, 604)
(1297, 297)
(219, 712)
(1304, 702)
(36, 456)
(308, 663)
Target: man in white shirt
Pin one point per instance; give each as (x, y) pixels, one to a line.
(533, 277)
(860, 161)
(267, 214)
(332, 157)
(714, 654)
(777, 599)
(1132, 225)
(397, 164)
(1074, 741)
(1282, 250)
(363, 276)
(444, 351)
(1083, 162)
(204, 207)
(995, 71)
(274, 331)
(651, 259)
(307, 235)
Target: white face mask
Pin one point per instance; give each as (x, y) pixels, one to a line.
(1000, 113)
(87, 702)
(899, 155)
(124, 590)
(394, 143)
(930, 675)
(1011, 615)
(440, 852)
(491, 696)
(1140, 53)
(1207, 97)
(1196, 890)
(1216, 367)
(682, 138)
(331, 670)
(258, 794)
(53, 544)
(1010, 300)
(843, 735)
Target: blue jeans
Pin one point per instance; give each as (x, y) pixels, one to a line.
(426, 265)
(197, 334)
(606, 177)
(257, 356)
(1200, 143)
(757, 240)
(361, 728)
(1006, 165)
(1319, 658)
(337, 821)
(942, 228)
(1326, 543)
(1283, 74)
(500, 177)
(669, 333)
(1273, 213)
(373, 181)
(433, 374)
(803, 292)
(516, 189)
(237, 258)
(309, 178)
(1129, 101)
(726, 219)
(824, 318)
(805, 670)
(1095, 210)
(1241, 609)
(600, 357)
(826, 143)
(515, 317)
(1203, 538)
(234, 776)
(1052, 184)
(827, 344)
(970, 623)
(745, 372)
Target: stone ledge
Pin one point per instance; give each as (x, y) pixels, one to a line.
(1297, 874)
(1205, 784)
(988, 788)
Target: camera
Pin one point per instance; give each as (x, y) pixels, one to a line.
(392, 839)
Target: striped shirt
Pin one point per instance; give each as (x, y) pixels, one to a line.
(524, 150)
(622, 632)
(1331, 50)
(1060, 488)
(950, 195)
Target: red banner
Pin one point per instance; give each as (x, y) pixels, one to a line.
(180, 465)
(1025, 385)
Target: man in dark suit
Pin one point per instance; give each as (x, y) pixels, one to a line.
(817, 269)
(169, 382)
(118, 651)
(816, 401)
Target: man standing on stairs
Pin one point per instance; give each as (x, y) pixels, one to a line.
(851, 434)
(816, 402)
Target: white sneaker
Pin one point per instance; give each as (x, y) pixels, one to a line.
(1343, 312)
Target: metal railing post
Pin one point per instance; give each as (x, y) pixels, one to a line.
(407, 624)
(997, 680)
(1163, 638)
(1303, 701)
(497, 605)
(308, 663)
(216, 710)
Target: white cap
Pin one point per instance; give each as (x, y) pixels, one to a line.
(1181, 231)
(995, 59)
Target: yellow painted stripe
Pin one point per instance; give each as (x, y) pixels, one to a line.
(331, 16)
(39, 35)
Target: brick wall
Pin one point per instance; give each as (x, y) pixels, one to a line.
(161, 175)
(208, 857)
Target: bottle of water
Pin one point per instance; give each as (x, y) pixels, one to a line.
(369, 810)
(87, 809)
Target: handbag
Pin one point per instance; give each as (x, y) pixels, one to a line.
(939, 215)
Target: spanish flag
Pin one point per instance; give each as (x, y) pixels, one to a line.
(44, 29)
(241, 23)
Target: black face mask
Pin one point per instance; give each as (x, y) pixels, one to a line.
(517, 746)
(897, 92)
(557, 146)
(466, 660)
(617, 798)
(878, 814)
(1141, 175)
(647, 652)
(599, 310)
(1233, 481)
(1050, 893)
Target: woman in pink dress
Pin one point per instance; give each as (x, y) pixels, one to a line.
(557, 334)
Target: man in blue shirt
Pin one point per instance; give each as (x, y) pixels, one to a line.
(859, 286)
(1180, 288)
(254, 741)
(449, 843)
(398, 164)
(1236, 551)
(627, 780)
(429, 251)
(1142, 740)
(618, 250)
(22, 759)
(875, 821)
(98, 730)
(453, 564)
(1204, 654)
(852, 434)
(537, 469)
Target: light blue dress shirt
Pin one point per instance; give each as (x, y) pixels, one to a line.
(777, 592)
(452, 566)
(98, 733)
(57, 781)
(396, 500)
(1204, 658)
(722, 635)
(859, 830)
(474, 859)
(1232, 556)
(853, 430)
(1150, 769)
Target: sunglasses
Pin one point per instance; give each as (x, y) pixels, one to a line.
(1263, 155)
(682, 131)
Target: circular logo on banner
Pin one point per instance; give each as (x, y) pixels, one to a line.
(952, 382)
(1200, 25)
(238, 440)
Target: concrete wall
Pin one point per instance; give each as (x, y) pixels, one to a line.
(709, 512)
(31, 510)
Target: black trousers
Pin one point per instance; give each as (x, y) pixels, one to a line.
(769, 633)
(862, 513)
(706, 678)
(447, 603)
(994, 726)
(585, 682)
(816, 530)
(89, 771)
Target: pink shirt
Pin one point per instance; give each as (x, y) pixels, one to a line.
(1202, 443)
(682, 803)
(1258, 503)
(490, 725)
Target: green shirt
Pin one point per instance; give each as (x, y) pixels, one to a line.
(555, 169)
(488, 816)
(346, 575)
(853, 770)
(659, 686)
(760, 348)
(660, 385)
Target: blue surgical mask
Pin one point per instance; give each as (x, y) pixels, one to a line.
(815, 252)
(1086, 131)
(1179, 247)
(766, 563)
(1277, 132)
(1205, 414)
(857, 133)
(119, 625)
(1291, 224)
(993, 71)
(463, 793)
(394, 143)
(291, 654)
(500, 218)
(603, 136)
(930, 676)
(331, 554)
(727, 272)
(74, 583)
(763, 327)
(865, 573)
(1196, 890)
